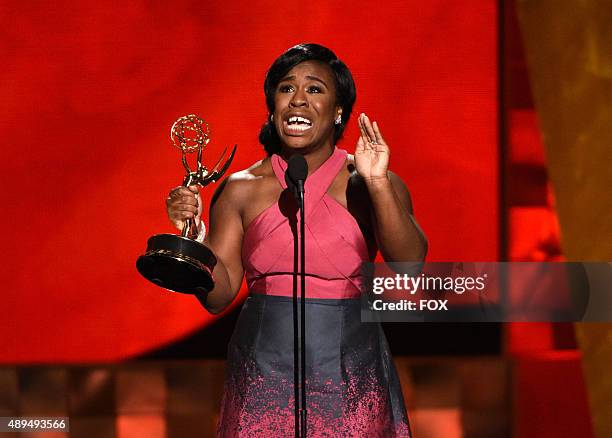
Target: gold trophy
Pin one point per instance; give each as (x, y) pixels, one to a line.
(181, 263)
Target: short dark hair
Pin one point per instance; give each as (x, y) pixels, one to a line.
(345, 88)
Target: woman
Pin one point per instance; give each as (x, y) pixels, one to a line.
(354, 206)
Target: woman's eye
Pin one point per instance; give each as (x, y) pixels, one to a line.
(285, 88)
(314, 89)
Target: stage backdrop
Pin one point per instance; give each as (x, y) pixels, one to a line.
(89, 91)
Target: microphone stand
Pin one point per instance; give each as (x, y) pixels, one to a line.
(295, 176)
(303, 411)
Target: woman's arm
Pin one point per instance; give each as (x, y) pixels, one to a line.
(398, 235)
(224, 238)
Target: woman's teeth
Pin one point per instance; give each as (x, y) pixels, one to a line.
(298, 119)
(298, 124)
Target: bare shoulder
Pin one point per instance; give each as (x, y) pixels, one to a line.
(238, 187)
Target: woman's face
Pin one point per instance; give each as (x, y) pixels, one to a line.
(305, 106)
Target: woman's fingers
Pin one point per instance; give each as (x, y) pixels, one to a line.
(360, 145)
(184, 207)
(182, 203)
(182, 195)
(179, 212)
(370, 132)
(368, 129)
(364, 135)
(378, 136)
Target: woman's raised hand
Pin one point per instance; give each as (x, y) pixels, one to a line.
(184, 203)
(371, 152)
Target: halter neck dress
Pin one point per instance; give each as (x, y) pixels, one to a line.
(351, 382)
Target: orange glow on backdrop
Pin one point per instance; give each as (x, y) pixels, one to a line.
(89, 91)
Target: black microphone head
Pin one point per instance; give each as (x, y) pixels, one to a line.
(297, 168)
(290, 184)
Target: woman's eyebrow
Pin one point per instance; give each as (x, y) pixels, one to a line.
(312, 78)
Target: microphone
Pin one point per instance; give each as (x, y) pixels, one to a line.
(295, 176)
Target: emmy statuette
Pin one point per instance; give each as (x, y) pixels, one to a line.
(180, 263)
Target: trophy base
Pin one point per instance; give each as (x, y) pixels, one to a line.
(178, 264)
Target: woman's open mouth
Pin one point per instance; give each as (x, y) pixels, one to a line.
(296, 125)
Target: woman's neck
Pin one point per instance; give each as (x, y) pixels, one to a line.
(314, 158)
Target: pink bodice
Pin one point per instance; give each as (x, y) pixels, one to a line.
(335, 246)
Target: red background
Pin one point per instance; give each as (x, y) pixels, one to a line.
(89, 92)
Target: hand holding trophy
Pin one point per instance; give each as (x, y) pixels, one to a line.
(180, 263)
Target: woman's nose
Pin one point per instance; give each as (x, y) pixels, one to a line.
(299, 99)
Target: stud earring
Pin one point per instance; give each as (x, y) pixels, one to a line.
(338, 119)
(272, 118)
